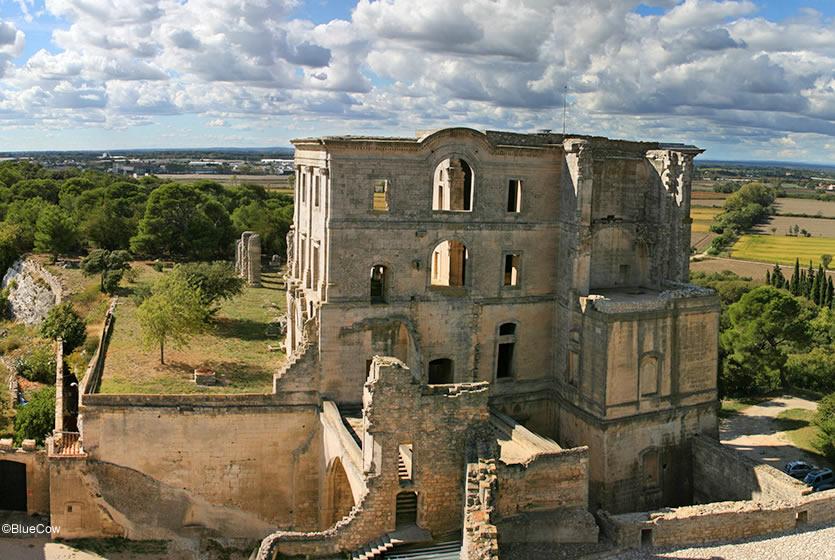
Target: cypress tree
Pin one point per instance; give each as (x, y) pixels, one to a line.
(768, 277)
(830, 292)
(795, 284)
(810, 278)
(821, 286)
(777, 277)
(814, 293)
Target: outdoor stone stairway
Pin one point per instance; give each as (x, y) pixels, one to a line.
(402, 471)
(352, 418)
(403, 536)
(450, 550)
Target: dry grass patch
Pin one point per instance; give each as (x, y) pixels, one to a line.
(235, 346)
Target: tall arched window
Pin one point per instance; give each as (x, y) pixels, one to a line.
(505, 347)
(449, 264)
(379, 283)
(453, 184)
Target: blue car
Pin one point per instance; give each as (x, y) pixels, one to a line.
(798, 469)
(819, 478)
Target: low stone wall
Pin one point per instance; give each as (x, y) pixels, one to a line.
(37, 473)
(92, 377)
(722, 474)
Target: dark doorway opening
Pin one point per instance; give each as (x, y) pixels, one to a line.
(12, 486)
(646, 538)
(406, 510)
(440, 371)
(505, 361)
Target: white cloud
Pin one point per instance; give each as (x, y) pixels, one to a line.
(702, 70)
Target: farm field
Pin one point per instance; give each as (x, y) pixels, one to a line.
(700, 195)
(825, 208)
(701, 241)
(818, 227)
(708, 202)
(702, 218)
(782, 249)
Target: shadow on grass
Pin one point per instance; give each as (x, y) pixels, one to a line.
(238, 375)
(118, 544)
(242, 329)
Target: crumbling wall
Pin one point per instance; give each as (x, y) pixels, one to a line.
(248, 258)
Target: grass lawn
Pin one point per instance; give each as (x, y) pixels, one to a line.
(798, 427)
(235, 346)
(782, 249)
(702, 218)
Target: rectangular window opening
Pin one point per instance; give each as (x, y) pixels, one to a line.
(514, 195)
(511, 270)
(405, 464)
(303, 188)
(381, 195)
(315, 267)
(316, 189)
(504, 364)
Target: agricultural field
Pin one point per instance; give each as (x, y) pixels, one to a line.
(782, 249)
(236, 346)
(702, 241)
(823, 208)
(697, 196)
(817, 227)
(703, 218)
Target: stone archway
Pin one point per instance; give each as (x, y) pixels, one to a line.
(338, 498)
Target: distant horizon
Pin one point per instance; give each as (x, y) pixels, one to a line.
(698, 160)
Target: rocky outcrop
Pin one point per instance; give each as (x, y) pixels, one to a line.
(32, 291)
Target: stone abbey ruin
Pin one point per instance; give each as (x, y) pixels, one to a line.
(491, 345)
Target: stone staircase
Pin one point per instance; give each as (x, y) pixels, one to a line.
(352, 418)
(404, 536)
(450, 550)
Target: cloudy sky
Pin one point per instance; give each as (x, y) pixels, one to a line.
(747, 79)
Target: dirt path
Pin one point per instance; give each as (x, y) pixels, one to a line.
(756, 433)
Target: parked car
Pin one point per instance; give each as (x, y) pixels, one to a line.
(798, 469)
(825, 486)
(819, 478)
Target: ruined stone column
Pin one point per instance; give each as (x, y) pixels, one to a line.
(253, 254)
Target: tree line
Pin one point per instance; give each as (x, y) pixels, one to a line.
(752, 204)
(70, 212)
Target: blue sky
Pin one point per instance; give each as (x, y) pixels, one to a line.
(746, 79)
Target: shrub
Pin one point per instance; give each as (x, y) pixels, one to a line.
(825, 421)
(38, 364)
(36, 419)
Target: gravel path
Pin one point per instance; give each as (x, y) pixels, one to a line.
(817, 544)
(755, 433)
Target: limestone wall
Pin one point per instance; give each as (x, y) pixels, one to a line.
(256, 456)
(722, 474)
(37, 475)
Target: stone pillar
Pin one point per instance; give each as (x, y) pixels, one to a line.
(253, 253)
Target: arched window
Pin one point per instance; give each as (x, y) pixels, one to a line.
(504, 350)
(648, 375)
(453, 185)
(449, 264)
(440, 372)
(379, 283)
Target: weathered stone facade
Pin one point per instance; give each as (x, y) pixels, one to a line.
(553, 267)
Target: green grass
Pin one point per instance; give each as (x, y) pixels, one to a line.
(235, 346)
(782, 249)
(730, 407)
(799, 429)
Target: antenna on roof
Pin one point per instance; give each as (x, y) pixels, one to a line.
(564, 106)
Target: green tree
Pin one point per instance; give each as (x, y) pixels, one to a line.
(765, 325)
(826, 260)
(825, 421)
(271, 220)
(794, 286)
(24, 214)
(172, 314)
(111, 265)
(36, 419)
(215, 282)
(106, 228)
(63, 322)
(181, 221)
(55, 232)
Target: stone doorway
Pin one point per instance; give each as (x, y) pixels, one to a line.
(12, 486)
